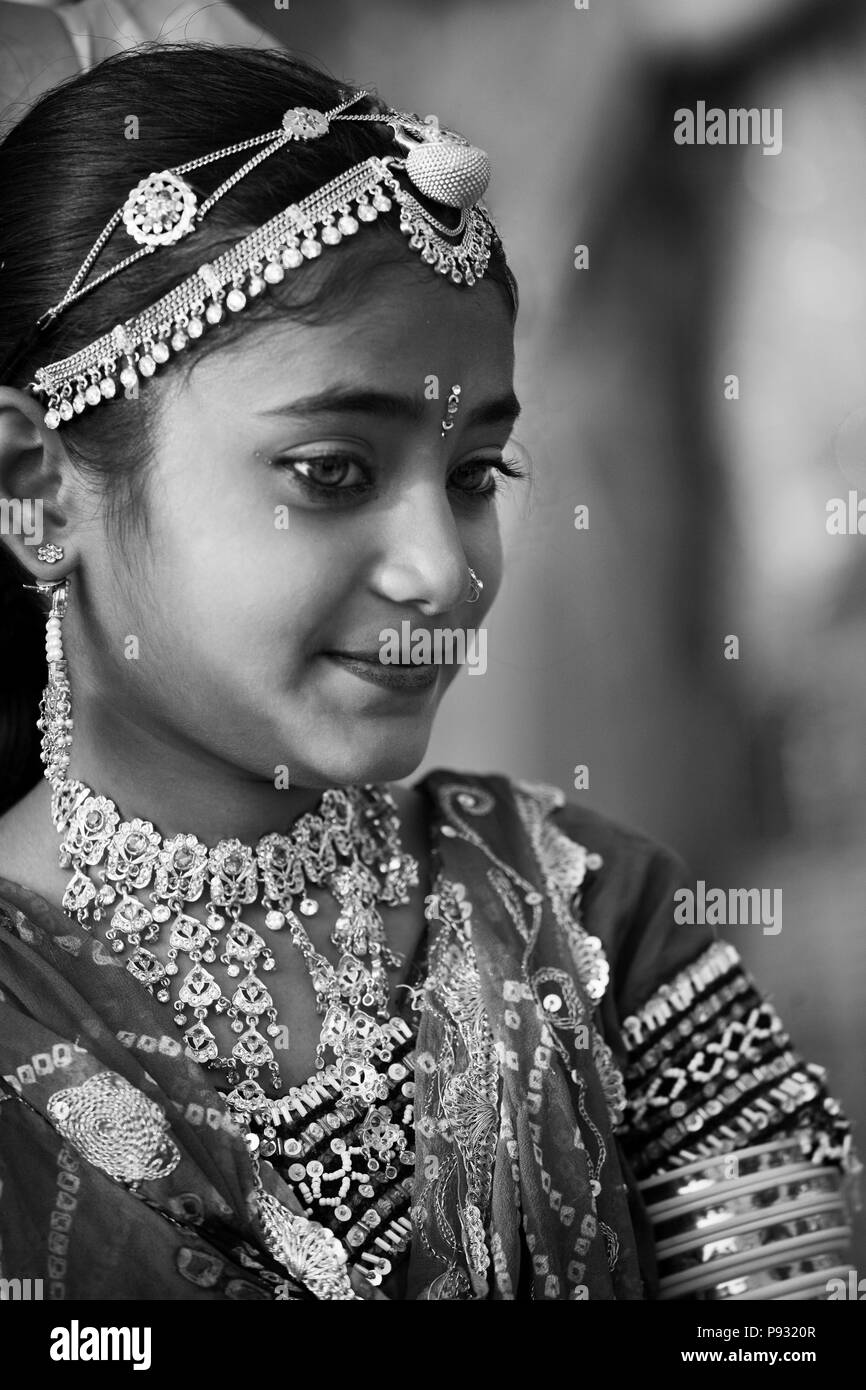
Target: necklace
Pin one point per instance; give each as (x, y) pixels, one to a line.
(350, 845)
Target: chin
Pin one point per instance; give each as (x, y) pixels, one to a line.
(390, 759)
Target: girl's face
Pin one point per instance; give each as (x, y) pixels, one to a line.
(302, 499)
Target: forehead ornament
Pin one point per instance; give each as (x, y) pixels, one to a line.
(163, 209)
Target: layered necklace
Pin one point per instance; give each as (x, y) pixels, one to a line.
(350, 846)
(344, 1139)
(175, 908)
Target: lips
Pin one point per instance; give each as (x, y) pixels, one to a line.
(375, 660)
(406, 678)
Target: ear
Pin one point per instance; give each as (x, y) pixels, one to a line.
(36, 488)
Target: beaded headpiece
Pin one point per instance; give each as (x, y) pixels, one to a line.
(163, 209)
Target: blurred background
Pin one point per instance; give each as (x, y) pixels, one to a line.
(707, 506)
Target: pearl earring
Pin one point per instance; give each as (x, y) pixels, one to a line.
(55, 710)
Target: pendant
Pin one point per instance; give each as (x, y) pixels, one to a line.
(80, 891)
(199, 988)
(131, 918)
(200, 1043)
(335, 1026)
(251, 997)
(145, 966)
(247, 1098)
(243, 944)
(359, 1080)
(187, 934)
(356, 929)
(252, 1049)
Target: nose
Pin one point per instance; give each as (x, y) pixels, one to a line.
(421, 561)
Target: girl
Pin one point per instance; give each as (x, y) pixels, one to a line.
(273, 1027)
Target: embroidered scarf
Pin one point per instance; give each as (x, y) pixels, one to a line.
(125, 1177)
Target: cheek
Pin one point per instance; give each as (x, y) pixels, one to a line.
(207, 523)
(208, 562)
(234, 599)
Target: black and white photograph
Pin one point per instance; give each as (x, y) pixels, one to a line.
(433, 679)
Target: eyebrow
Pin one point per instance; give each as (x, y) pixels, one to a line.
(347, 400)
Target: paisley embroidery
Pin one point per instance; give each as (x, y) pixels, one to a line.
(544, 1015)
(23, 928)
(71, 944)
(115, 1128)
(100, 956)
(466, 1082)
(565, 865)
(513, 1144)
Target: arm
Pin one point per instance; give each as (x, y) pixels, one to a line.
(741, 1156)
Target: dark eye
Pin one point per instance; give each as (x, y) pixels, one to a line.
(478, 477)
(331, 472)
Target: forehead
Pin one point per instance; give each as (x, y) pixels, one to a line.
(399, 331)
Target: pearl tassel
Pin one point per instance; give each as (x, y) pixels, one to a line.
(53, 638)
(55, 721)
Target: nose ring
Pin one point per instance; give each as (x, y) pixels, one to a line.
(476, 586)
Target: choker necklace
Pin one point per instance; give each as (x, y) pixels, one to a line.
(350, 846)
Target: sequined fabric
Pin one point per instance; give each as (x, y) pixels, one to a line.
(563, 1018)
(350, 1166)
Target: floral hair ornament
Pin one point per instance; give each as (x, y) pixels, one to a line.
(162, 209)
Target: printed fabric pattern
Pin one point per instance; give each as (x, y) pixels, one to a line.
(561, 1029)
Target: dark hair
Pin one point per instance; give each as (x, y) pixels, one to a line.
(64, 170)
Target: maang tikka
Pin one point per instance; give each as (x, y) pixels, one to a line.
(163, 209)
(452, 405)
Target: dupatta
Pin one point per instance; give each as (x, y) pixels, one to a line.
(124, 1176)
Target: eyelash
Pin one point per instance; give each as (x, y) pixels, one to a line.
(501, 465)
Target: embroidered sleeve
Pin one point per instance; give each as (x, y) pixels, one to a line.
(727, 1128)
(710, 1069)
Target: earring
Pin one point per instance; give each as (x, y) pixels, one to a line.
(50, 553)
(451, 408)
(476, 587)
(55, 709)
